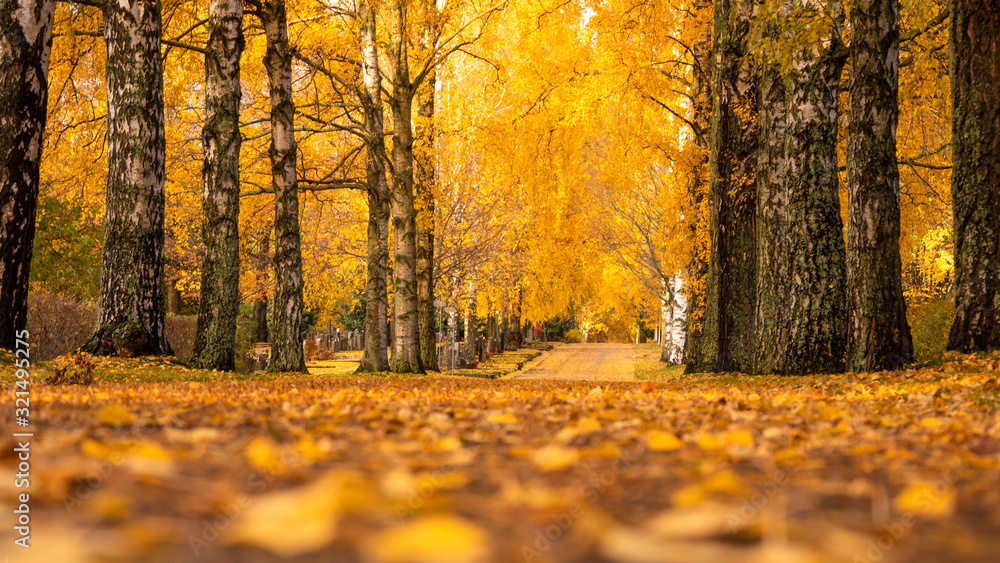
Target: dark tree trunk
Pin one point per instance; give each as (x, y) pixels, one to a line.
(260, 330)
(491, 332)
(727, 341)
(131, 307)
(215, 339)
(516, 339)
(975, 179)
(375, 357)
(471, 320)
(406, 341)
(697, 268)
(26, 33)
(878, 336)
(286, 311)
(801, 263)
(425, 161)
(174, 298)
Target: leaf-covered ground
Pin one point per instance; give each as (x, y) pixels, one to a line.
(151, 464)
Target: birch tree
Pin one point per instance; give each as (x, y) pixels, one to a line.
(878, 336)
(975, 180)
(130, 319)
(406, 340)
(25, 44)
(801, 263)
(727, 342)
(287, 306)
(375, 357)
(215, 339)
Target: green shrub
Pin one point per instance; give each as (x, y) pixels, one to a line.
(67, 250)
(574, 336)
(930, 323)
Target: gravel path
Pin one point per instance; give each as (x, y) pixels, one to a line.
(599, 362)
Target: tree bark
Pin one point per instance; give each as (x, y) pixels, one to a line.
(375, 357)
(674, 312)
(975, 179)
(215, 339)
(174, 298)
(26, 39)
(286, 311)
(425, 161)
(801, 312)
(406, 342)
(471, 321)
(491, 332)
(516, 339)
(727, 341)
(878, 336)
(260, 330)
(697, 268)
(130, 318)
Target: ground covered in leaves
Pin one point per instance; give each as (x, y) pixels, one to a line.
(153, 462)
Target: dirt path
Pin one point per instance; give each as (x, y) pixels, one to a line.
(607, 362)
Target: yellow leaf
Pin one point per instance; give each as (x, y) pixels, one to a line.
(607, 450)
(109, 506)
(723, 482)
(448, 444)
(555, 458)
(587, 424)
(116, 415)
(708, 442)
(95, 449)
(432, 539)
(926, 499)
(502, 418)
(308, 515)
(739, 438)
(660, 441)
(310, 450)
(690, 495)
(830, 412)
(932, 423)
(265, 455)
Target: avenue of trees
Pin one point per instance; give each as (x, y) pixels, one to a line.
(785, 294)
(761, 179)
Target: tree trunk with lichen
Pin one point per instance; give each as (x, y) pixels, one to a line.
(975, 179)
(727, 341)
(375, 357)
(471, 322)
(131, 306)
(878, 336)
(425, 178)
(287, 307)
(215, 338)
(697, 269)
(406, 356)
(26, 31)
(801, 264)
